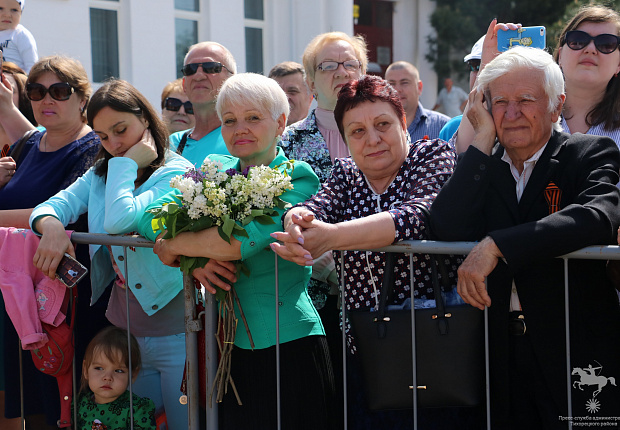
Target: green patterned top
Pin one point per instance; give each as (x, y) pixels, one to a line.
(115, 415)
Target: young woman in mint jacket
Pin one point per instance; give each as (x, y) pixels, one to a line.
(133, 169)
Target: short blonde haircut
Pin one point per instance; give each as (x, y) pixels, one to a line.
(251, 89)
(314, 47)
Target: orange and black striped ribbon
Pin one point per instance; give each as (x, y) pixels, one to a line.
(553, 195)
(5, 150)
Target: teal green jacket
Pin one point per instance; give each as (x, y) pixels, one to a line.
(298, 317)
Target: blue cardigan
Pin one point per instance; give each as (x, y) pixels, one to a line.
(116, 207)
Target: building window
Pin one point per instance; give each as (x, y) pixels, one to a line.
(254, 29)
(185, 28)
(191, 5)
(104, 43)
(186, 36)
(253, 9)
(254, 49)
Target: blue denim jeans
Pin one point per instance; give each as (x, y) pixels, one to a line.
(163, 361)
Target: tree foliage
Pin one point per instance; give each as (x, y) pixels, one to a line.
(460, 23)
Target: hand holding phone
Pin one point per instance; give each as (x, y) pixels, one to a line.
(534, 37)
(70, 271)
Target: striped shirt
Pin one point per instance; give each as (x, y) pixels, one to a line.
(426, 123)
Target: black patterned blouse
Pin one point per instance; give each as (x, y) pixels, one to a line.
(346, 195)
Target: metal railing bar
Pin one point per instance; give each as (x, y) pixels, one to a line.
(278, 393)
(211, 358)
(192, 327)
(126, 275)
(343, 307)
(112, 240)
(596, 252)
(414, 387)
(487, 385)
(567, 334)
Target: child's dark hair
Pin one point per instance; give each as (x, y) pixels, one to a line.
(111, 341)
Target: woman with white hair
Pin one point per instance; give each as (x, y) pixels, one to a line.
(253, 111)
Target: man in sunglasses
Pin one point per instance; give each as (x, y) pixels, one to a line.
(207, 65)
(421, 123)
(530, 193)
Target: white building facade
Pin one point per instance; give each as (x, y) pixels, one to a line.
(144, 41)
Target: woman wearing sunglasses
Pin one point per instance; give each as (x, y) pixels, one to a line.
(588, 54)
(176, 109)
(59, 90)
(133, 168)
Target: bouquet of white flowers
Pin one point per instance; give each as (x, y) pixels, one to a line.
(229, 200)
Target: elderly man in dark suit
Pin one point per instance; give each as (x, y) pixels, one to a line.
(529, 193)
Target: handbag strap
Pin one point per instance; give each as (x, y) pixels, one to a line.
(386, 291)
(17, 149)
(182, 142)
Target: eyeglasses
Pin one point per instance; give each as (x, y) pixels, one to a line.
(474, 65)
(604, 43)
(60, 91)
(173, 104)
(211, 67)
(331, 66)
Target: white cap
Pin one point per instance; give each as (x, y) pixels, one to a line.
(21, 3)
(476, 51)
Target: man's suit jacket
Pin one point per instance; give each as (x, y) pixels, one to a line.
(480, 199)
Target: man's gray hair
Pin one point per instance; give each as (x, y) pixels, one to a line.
(228, 60)
(253, 90)
(530, 59)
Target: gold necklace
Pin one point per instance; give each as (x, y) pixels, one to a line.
(44, 139)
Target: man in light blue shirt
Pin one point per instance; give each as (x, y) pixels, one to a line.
(207, 65)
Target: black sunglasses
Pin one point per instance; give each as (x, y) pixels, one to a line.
(211, 67)
(173, 104)
(60, 91)
(604, 43)
(474, 65)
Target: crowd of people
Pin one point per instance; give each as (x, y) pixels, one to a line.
(530, 171)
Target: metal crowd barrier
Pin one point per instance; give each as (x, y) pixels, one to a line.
(193, 323)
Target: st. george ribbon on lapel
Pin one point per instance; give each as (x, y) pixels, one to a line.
(5, 151)
(553, 195)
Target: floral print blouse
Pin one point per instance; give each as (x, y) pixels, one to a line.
(303, 141)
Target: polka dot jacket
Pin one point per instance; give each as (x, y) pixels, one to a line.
(346, 195)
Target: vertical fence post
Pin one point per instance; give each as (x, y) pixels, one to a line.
(211, 415)
(567, 323)
(414, 386)
(192, 326)
(343, 306)
(126, 274)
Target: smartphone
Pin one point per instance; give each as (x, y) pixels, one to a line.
(534, 37)
(70, 271)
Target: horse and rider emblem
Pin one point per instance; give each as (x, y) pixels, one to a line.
(589, 376)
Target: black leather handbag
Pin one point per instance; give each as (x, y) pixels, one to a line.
(449, 353)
